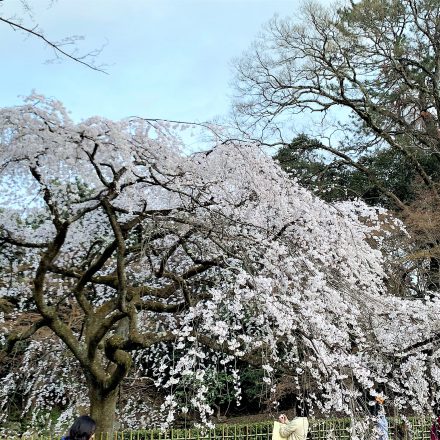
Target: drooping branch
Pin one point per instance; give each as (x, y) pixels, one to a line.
(55, 46)
(171, 250)
(20, 243)
(87, 276)
(47, 196)
(117, 350)
(13, 338)
(48, 312)
(40, 276)
(425, 346)
(120, 236)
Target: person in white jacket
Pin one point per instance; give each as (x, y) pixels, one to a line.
(297, 428)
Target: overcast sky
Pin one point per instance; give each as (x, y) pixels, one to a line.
(165, 58)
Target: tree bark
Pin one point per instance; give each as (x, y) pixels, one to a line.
(434, 271)
(103, 410)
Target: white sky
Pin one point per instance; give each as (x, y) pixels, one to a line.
(166, 59)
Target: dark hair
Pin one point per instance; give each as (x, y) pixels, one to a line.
(373, 408)
(82, 429)
(373, 405)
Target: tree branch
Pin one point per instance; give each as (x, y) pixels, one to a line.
(51, 44)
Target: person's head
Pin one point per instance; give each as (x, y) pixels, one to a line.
(83, 428)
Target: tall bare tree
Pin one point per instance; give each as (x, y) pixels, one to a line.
(377, 60)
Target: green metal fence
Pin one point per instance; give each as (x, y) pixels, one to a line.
(320, 429)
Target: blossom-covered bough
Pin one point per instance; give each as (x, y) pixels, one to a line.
(125, 259)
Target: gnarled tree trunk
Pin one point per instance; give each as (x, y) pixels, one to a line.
(103, 409)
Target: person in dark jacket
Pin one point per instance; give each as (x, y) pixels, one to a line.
(83, 428)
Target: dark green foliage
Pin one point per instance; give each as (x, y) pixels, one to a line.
(309, 161)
